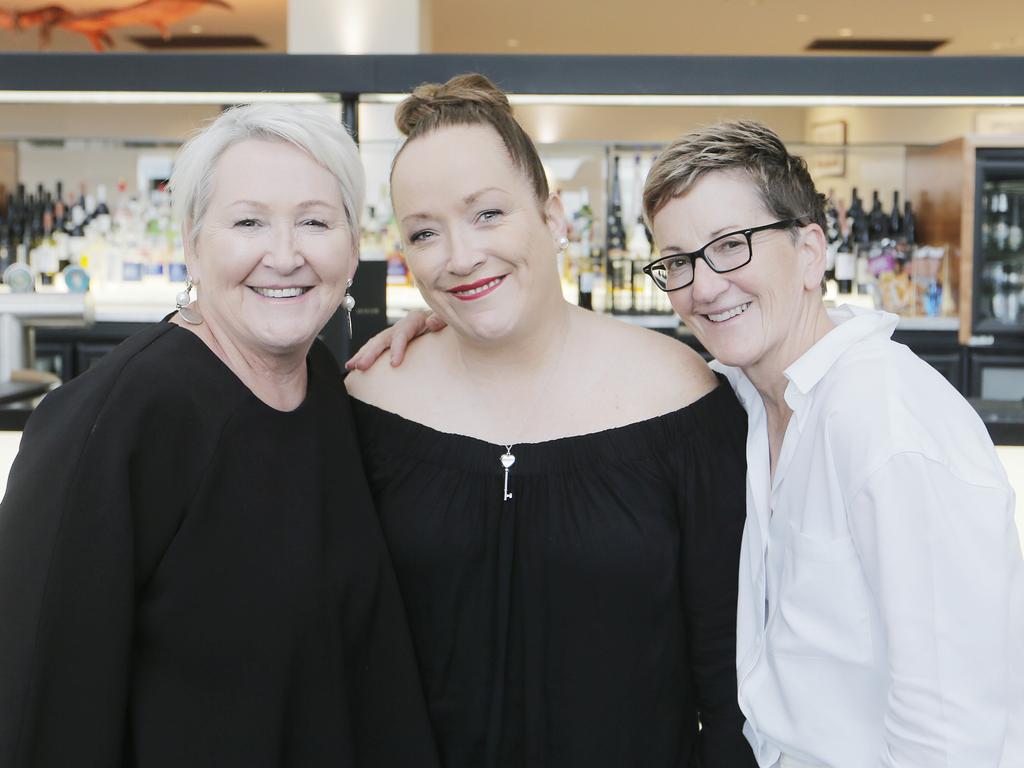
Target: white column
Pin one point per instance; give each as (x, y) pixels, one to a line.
(358, 26)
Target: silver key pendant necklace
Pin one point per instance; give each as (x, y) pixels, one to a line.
(507, 459)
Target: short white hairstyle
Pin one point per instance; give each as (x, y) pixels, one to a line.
(321, 137)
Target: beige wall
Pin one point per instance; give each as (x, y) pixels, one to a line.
(551, 123)
(142, 122)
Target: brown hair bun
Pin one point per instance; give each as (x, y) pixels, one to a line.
(469, 100)
(469, 93)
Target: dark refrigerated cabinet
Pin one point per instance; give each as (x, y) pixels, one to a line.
(996, 371)
(999, 242)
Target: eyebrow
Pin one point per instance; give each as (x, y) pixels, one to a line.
(727, 229)
(470, 199)
(304, 204)
(467, 200)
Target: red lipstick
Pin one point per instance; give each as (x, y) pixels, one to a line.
(478, 289)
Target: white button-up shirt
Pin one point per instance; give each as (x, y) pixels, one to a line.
(881, 593)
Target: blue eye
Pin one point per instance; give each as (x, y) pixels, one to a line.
(419, 237)
(489, 215)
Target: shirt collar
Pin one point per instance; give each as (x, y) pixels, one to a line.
(853, 324)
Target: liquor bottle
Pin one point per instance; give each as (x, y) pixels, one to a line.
(833, 236)
(895, 217)
(641, 291)
(6, 252)
(582, 230)
(586, 278)
(101, 213)
(42, 254)
(619, 266)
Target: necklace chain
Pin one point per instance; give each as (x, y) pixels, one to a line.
(507, 459)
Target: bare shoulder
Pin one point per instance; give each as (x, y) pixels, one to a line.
(663, 373)
(391, 387)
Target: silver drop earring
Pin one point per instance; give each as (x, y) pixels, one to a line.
(187, 310)
(349, 303)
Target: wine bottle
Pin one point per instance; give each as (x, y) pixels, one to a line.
(895, 217)
(846, 265)
(855, 211)
(877, 224)
(909, 224)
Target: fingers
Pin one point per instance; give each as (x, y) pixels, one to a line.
(434, 323)
(367, 355)
(395, 338)
(405, 330)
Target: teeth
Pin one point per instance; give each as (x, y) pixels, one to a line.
(729, 313)
(479, 288)
(280, 293)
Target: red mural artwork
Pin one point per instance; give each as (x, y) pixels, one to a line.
(96, 25)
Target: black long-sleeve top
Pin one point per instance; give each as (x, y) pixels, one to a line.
(189, 577)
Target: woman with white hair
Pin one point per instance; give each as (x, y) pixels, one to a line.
(191, 571)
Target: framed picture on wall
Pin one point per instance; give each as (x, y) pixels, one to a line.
(828, 158)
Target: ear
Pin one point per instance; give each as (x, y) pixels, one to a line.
(554, 217)
(353, 264)
(191, 260)
(812, 247)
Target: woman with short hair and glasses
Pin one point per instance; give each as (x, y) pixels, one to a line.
(561, 492)
(881, 610)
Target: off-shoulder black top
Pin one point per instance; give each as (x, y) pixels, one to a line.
(589, 621)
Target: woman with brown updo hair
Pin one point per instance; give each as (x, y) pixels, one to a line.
(562, 493)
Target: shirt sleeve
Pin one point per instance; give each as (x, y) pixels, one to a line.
(715, 507)
(939, 554)
(66, 597)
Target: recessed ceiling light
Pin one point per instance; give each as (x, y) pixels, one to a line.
(927, 18)
(512, 42)
(846, 32)
(196, 29)
(802, 17)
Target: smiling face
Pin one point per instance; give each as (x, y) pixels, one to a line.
(275, 249)
(481, 247)
(760, 315)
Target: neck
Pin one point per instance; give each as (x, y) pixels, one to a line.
(768, 375)
(519, 358)
(279, 380)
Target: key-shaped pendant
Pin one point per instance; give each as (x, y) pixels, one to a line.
(507, 460)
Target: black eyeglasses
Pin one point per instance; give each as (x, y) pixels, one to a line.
(723, 254)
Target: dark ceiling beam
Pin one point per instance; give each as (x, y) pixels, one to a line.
(661, 75)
